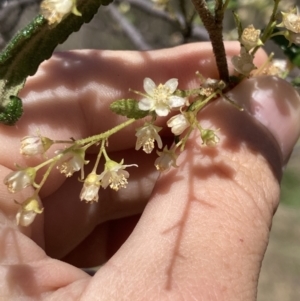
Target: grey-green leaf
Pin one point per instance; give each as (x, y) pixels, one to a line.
(34, 44)
(12, 112)
(128, 108)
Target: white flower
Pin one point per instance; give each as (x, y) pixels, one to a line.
(178, 124)
(291, 21)
(166, 159)
(160, 98)
(28, 211)
(146, 135)
(34, 145)
(250, 37)
(74, 163)
(90, 189)
(243, 63)
(17, 180)
(114, 175)
(55, 10)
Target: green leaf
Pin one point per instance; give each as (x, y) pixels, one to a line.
(296, 82)
(34, 44)
(128, 108)
(12, 112)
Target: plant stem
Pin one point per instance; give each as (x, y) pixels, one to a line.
(214, 27)
(270, 26)
(106, 134)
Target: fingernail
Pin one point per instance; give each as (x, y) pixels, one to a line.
(275, 104)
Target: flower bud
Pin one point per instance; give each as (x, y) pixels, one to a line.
(28, 211)
(34, 145)
(20, 179)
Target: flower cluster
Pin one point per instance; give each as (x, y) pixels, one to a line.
(159, 101)
(68, 161)
(115, 176)
(163, 99)
(251, 39)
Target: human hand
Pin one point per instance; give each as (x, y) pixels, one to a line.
(204, 231)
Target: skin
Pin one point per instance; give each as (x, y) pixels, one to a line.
(202, 228)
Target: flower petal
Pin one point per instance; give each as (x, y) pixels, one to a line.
(146, 104)
(149, 86)
(171, 84)
(162, 110)
(176, 101)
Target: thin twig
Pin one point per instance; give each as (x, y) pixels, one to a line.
(148, 7)
(197, 32)
(130, 30)
(214, 27)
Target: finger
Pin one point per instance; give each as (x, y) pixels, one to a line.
(206, 228)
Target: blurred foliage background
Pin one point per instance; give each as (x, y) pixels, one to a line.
(139, 24)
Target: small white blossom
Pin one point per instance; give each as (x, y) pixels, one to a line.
(19, 179)
(90, 189)
(73, 163)
(55, 10)
(166, 159)
(34, 145)
(115, 176)
(28, 211)
(250, 37)
(160, 98)
(291, 21)
(243, 63)
(178, 124)
(146, 135)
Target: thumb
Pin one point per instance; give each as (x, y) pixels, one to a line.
(204, 232)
